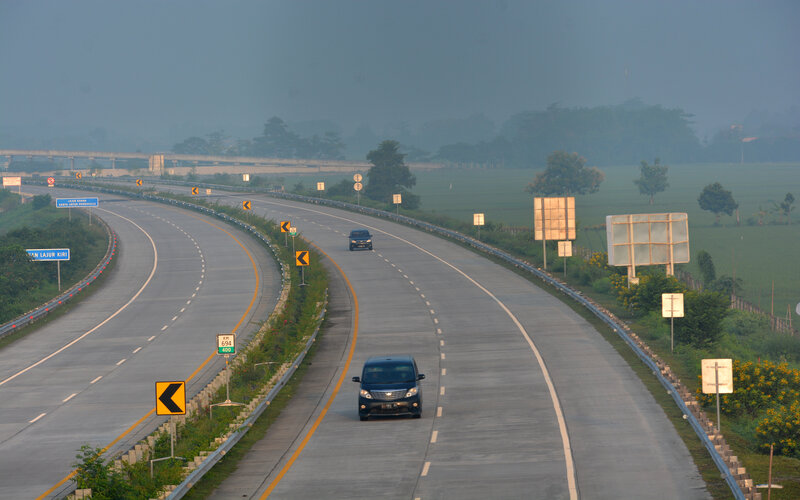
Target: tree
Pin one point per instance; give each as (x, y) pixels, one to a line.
(785, 207)
(707, 269)
(192, 146)
(653, 179)
(714, 198)
(702, 323)
(389, 175)
(566, 174)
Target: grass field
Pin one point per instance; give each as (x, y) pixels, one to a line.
(759, 254)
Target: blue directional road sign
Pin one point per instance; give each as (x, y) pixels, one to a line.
(48, 253)
(76, 202)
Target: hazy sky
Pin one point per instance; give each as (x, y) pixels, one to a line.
(163, 70)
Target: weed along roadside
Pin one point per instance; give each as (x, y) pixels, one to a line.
(261, 369)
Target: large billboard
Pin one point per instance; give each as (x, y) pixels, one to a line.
(554, 218)
(647, 239)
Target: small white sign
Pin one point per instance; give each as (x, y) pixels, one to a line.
(565, 248)
(397, 199)
(717, 372)
(672, 305)
(208, 190)
(246, 177)
(477, 220)
(320, 186)
(226, 343)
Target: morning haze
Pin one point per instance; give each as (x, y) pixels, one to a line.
(146, 75)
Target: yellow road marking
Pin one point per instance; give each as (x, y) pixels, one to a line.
(324, 411)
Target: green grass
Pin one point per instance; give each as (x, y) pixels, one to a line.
(759, 254)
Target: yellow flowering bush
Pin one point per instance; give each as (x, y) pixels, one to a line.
(757, 386)
(782, 429)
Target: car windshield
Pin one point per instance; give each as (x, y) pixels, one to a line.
(359, 234)
(388, 374)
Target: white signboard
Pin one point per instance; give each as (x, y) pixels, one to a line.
(246, 177)
(397, 199)
(320, 186)
(12, 181)
(565, 248)
(647, 239)
(554, 218)
(477, 219)
(717, 372)
(672, 305)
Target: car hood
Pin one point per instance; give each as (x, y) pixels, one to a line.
(389, 387)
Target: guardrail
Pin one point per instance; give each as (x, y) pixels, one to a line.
(45, 309)
(619, 328)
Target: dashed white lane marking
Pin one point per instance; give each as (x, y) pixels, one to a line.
(121, 361)
(392, 265)
(434, 436)
(137, 350)
(439, 411)
(425, 469)
(95, 380)
(387, 260)
(413, 283)
(188, 302)
(441, 391)
(436, 321)
(405, 276)
(151, 338)
(174, 318)
(164, 327)
(441, 343)
(37, 418)
(197, 288)
(433, 312)
(444, 371)
(428, 303)
(442, 355)
(183, 309)
(193, 296)
(439, 331)
(421, 295)
(69, 397)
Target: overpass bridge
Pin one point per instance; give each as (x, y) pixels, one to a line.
(181, 164)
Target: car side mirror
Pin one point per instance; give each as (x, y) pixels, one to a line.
(356, 379)
(420, 376)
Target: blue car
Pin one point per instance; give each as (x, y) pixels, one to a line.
(390, 386)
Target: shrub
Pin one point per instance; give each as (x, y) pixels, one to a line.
(781, 428)
(602, 285)
(702, 324)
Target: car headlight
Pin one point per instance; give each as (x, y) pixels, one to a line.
(365, 394)
(369, 241)
(411, 392)
(353, 241)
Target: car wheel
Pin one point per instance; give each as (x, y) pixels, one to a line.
(351, 248)
(370, 247)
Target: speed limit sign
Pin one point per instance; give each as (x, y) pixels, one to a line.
(51, 181)
(357, 177)
(357, 186)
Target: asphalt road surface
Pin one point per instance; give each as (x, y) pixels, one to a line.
(522, 399)
(89, 376)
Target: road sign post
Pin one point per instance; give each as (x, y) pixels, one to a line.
(672, 307)
(50, 254)
(170, 400)
(717, 378)
(285, 227)
(226, 346)
(397, 199)
(302, 259)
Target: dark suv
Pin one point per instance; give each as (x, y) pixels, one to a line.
(390, 386)
(360, 238)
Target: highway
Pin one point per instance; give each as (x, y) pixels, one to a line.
(88, 377)
(522, 397)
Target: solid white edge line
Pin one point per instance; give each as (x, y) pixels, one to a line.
(135, 296)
